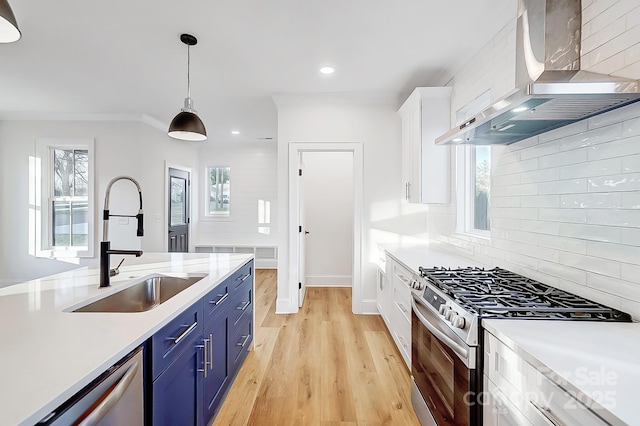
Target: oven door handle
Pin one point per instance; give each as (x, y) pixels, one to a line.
(462, 352)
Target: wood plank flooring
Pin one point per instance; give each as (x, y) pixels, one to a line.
(323, 366)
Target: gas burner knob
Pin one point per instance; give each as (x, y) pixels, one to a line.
(442, 310)
(458, 321)
(450, 314)
(417, 284)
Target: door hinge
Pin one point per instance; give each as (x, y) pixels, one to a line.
(299, 286)
(299, 228)
(299, 172)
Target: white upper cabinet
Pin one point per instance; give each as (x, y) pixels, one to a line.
(425, 166)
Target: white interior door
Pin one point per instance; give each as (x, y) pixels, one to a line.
(302, 232)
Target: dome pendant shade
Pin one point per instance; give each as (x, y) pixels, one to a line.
(187, 126)
(9, 31)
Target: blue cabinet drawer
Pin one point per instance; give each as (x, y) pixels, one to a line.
(174, 337)
(242, 276)
(216, 300)
(240, 342)
(242, 302)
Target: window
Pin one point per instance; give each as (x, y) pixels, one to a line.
(218, 187)
(473, 188)
(64, 211)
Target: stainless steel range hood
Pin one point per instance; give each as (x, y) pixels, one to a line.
(551, 91)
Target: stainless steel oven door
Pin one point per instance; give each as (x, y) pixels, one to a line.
(443, 367)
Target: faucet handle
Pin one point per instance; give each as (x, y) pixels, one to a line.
(115, 271)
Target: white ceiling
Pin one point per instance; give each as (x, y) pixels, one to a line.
(125, 56)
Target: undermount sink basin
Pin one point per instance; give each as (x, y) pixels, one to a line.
(144, 295)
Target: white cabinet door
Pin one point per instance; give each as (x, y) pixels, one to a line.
(425, 166)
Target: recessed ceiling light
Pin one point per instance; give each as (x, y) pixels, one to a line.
(235, 132)
(520, 109)
(457, 140)
(327, 70)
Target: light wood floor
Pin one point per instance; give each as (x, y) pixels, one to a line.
(322, 366)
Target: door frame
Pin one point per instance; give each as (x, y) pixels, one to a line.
(168, 165)
(357, 149)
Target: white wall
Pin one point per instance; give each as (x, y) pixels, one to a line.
(349, 119)
(253, 177)
(565, 206)
(328, 208)
(121, 148)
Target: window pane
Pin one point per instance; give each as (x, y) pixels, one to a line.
(219, 191)
(178, 206)
(81, 172)
(61, 222)
(482, 173)
(70, 224)
(79, 224)
(62, 172)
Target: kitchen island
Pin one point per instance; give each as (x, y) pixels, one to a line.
(49, 353)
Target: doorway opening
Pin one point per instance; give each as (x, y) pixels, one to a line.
(178, 195)
(338, 164)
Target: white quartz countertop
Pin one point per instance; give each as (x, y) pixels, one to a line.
(597, 362)
(48, 354)
(413, 256)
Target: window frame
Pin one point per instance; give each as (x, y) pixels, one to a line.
(44, 196)
(207, 193)
(465, 189)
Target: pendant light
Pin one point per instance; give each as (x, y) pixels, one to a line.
(9, 31)
(187, 126)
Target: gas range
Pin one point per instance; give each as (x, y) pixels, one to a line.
(464, 296)
(448, 307)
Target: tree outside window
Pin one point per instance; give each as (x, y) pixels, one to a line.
(69, 204)
(219, 191)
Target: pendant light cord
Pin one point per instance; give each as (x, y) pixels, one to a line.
(188, 71)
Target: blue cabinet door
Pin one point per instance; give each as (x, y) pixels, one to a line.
(217, 380)
(176, 391)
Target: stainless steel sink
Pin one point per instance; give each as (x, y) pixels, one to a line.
(144, 295)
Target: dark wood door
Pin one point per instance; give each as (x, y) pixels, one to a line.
(179, 188)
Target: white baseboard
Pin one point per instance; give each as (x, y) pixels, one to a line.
(285, 306)
(329, 281)
(370, 307)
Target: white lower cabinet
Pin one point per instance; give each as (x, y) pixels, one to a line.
(516, 390)
(394, 304)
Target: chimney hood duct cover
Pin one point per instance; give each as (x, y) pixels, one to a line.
(551, 91)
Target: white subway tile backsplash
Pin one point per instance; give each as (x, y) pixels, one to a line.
(631, 236)
(569, 186)
(590, 232)
(617, 252)
(563, 243)
(621, 148)
(506, 202)
(609, 166)
(522, 189)
(515, 212)
(591, 264)
(602, 35)
(540, 227)
(592, 137)
(539, 200)
(630, 200)
(626, 218)
(617, 287)
(625, 182)
(544, 175)
(601, 200)
(517, 167)
(563, 272)
(539, 150)
(630, 273)
(631, 163)
(505, 223)
(562, 215)
(563, 158)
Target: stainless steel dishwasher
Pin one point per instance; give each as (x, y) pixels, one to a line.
(114, 398)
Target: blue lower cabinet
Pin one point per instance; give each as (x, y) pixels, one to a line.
(216, 382)
(176, 390)
(195, 357)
